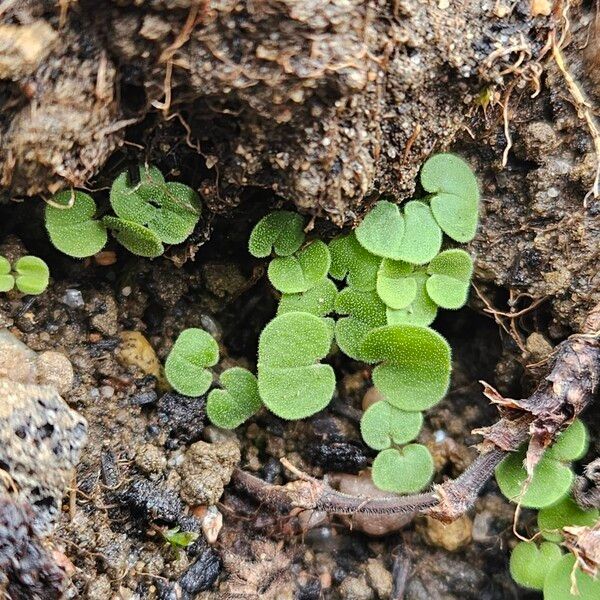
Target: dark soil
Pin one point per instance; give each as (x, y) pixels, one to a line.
(323, 104)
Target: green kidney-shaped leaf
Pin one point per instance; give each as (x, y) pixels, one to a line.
(291, 383)
(349, 259)
(171, 210)
(185, 368)
(530, 563)
(550, 482)
(366, 312)
(565, 512)
(239, 400)
(281, 231)
(7, 281)
(558, 582)
(404, 471)
(382, 230)
(422, 238)
(73, 230)
(135, 237)
(319, 300)
(571, 444)
(415, 370)
(32, 275)
(421, 311)
(395, 286)
(298, 273)
(450, 275)
(455, 197)
(383, 425)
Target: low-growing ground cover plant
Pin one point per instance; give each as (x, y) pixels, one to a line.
(373, 293)
(148, 213)
(548, 562)
(30, 275)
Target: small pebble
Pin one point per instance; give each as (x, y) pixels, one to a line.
(355, 588)
(212, 524)
(73, 298)
(55, 369)
(379, 578)
(106, 391)
(150, 459)
(451, 536)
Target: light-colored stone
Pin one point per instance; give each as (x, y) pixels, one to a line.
(17, 361)
(41, 439)
(451, 536)
(379, 578)
(150, 459)
(356, 588)
(55, 369)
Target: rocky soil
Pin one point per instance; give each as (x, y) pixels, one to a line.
(324, 104)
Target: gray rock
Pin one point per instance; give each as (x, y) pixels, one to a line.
(41, 439)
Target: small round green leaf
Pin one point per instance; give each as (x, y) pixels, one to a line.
(565, 512)
(366, 312)
(415, 370)
(171, 210)
(7, 281)
(404, 471)
(135, 237)
(239, 400)
(383, 425)
(530, 563)
(421, 311)
(381, 230)
(281, 231)
(185, 368)
(73, 230)
(395, 285)
(319, 300)
(558, 582)
(550, 482)
(291, 383)
(298, 273)
(450, 276)
(422, 238)
(571, 444)
(349, 259)
(32, 276)
(455, 197)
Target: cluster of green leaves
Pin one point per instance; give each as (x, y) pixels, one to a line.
(30, 275)
(542, 565)
(147, 215)
(393, 278)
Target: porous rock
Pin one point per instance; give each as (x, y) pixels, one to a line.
(41, 439)
(206, 470)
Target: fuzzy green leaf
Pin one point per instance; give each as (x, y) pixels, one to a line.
(383, 424)
(349, 259)
(32, 275)
(558, 582)
(298, 273)
(565, 512)
(135, 237)
(381, 230)
(171, 210)
(571, 444)
(73, 230)
(292, 384)
(281, 231)
(422, 238)
(7, 281)
(450, 272)
(415, 370)
(366, 312)
(239, 400)
(319, 300)
(185, 368)
(421, 311)
(404, 471)
(550, 482)
(395, 285)
(530, 563)
(455, 197)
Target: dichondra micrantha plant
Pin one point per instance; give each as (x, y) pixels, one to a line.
(148, 214)
(372, 293)
(29, 274)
